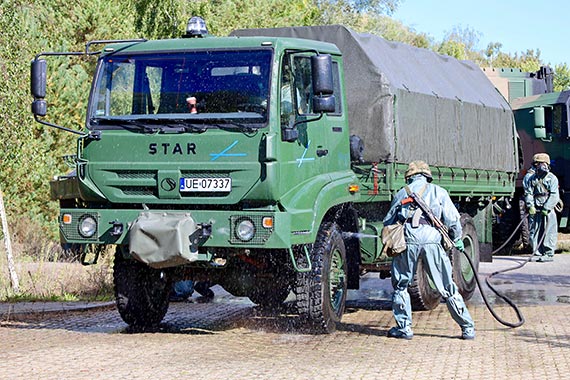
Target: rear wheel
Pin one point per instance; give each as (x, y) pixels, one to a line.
(463, 273)
(321, 293)
(423, 293)
(141, 293)
(525, 228)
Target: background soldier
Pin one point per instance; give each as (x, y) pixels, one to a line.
(541, 196)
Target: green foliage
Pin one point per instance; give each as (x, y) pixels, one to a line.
(453, 49)
(32, 152)
(562, 77)
(528, 61)
(167, 18)
(368, 6)
(386, 27)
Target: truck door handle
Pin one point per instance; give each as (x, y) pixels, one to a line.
(322, 152)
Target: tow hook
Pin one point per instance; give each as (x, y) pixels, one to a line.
(202, 233)
(118, 228)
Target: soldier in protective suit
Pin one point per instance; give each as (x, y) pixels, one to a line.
(541, 196)
(424, 243)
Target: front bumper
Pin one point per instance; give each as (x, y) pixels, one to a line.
(113, 226)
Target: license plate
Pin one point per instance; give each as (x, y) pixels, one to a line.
(206, 184)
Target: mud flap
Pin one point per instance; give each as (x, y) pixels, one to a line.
(163, 240)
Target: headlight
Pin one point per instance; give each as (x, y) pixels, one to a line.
(87, 226)
(245, 230)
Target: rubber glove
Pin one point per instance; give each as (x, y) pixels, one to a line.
(532, 210)
(545, 212)
(459, 245)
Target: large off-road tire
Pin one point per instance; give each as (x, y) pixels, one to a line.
(141, 293)
(423, 294)
(463, 273)
(524, 228)
(512, 218)
(321, 293)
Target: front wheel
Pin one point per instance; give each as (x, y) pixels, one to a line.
(321, 293)
(141, 293)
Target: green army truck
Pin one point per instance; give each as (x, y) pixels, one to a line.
(265, 162)
(541, 117)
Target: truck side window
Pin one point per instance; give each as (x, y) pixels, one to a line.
(287, 101)
(303, 84)
(296, 88)
(296, 73)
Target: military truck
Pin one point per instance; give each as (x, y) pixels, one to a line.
(265, 162)
(541, 117)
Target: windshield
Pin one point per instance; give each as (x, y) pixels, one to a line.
(199, 87)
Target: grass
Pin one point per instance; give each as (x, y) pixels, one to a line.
(47, 279)
(33, 298)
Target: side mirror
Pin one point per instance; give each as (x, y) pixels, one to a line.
(321, 66)
(38, 78)
(323, 85)
(539, 123)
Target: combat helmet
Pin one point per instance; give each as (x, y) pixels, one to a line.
(541, 157)
(418, 167)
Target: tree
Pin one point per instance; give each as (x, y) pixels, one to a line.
(32, 152)
(168, 18)
(561, 77)
(389, 29)
(528, 61)
(453, 48)
(366, 6)
(493, 49)
(464, 38)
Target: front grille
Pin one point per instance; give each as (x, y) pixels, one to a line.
(135, 174)
(202, 174)
(138, 191)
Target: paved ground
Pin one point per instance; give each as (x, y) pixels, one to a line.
(231, 339)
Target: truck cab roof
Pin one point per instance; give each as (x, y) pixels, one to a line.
(183, 44)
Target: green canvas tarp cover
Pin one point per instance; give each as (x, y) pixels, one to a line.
(408, 103)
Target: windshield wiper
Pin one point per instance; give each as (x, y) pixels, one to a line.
(182, 125)
(228, 125)
(166, 125)
(128, 124)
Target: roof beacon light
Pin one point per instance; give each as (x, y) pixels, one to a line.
(196, 27)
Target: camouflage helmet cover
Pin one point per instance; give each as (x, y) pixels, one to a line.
(541, 157)
(418, 167)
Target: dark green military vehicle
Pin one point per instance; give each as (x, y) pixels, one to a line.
(265, 160)
(541, 117)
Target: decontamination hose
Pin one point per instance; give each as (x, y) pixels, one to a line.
(520, 317)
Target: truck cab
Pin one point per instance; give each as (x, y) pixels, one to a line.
(217, 157)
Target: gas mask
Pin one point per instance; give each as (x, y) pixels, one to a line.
(542, 168)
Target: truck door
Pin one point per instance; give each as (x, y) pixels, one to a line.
(303, 132)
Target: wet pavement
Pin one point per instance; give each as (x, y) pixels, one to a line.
(525, 283)
(230, 338)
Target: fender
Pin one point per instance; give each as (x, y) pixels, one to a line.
(308, 202)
